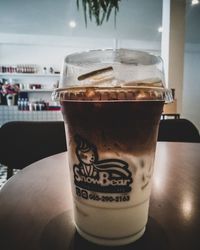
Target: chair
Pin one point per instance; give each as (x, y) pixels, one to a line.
(23, 142)
(178, 130)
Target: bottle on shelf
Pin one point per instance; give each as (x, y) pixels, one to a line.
(51, 70)
(19, 103)
(19, 68)
(30, 106)
(26, 104)
(44, 70)
(22, 104)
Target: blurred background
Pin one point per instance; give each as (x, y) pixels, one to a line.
(35, 36)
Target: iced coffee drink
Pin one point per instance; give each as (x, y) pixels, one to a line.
(112, 123)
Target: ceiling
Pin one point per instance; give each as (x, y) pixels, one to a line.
(137, 19)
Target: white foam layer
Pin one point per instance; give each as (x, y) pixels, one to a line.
(110, 225)
(122, 217)
(111, 242)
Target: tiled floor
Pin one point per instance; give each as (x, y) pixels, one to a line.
(3, 174)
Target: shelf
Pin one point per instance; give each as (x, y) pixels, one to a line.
(36, 90)
(27, 75)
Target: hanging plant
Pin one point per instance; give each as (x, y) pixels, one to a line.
(99, 9)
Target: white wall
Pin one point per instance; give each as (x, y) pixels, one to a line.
(44, 51)
(50, 51)
(191, 85)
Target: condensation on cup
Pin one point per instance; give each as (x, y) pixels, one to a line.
(111, 102)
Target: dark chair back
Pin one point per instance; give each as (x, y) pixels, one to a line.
(23, 143)
(178, 130)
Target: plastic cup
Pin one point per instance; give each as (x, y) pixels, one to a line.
(111, 102)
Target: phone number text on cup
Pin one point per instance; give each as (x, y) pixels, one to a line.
(101, 197)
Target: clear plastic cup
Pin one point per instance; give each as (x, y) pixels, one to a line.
(111, 102)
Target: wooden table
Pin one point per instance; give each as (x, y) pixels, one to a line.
(35, 205)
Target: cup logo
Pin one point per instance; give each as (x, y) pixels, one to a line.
(105, 176)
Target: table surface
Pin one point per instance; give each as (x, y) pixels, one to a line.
(36, 205)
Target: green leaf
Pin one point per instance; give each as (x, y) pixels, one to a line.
(85, 11)
(77, 4)
(109, 11)
(103, 17)
(99, 9)
(103, 5)
(90, 9)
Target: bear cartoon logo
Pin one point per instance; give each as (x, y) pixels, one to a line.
(108, 175)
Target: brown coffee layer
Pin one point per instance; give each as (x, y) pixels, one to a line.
(128, 126)
(138, 93)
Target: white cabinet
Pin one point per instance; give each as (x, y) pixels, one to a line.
(34, 86)
(47, 81)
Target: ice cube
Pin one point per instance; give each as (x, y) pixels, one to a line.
(103, 77)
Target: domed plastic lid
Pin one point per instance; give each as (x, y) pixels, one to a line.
(121, 74)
